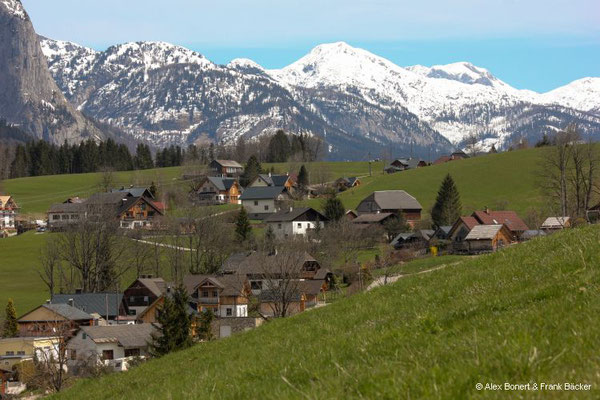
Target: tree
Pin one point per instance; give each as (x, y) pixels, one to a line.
(153, 189)
(303, 180)
(251, 171)
(51, 266)
(107, 179)
(11, 327)
(447, 208)
(243, 229)
(394, 226)
(280, 148)
(174, 324)
(143, 157)
(204, 325)
(334, 209)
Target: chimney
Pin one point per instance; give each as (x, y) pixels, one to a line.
(168, 289)
(269, 174)
(78, 291)
(48, 301)
(71, 302)
(487, 210)
(291, 209)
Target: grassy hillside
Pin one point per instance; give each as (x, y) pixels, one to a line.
(36, 194)
(526, 314)
(508, 178)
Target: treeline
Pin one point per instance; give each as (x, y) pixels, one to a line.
(38, 157)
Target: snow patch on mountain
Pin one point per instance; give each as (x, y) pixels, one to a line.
(15, 8)
(582, 94)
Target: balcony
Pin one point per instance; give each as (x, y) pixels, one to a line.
(208, 300)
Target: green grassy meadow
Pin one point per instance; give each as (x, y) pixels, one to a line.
(526, 314)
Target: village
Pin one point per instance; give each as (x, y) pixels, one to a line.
(97, 327)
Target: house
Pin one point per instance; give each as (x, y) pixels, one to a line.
(347, 183)
(442, 232)
(16, 350)
(225, 295)
(135, 192)
(302, 296)
(402, 164)
(130, 211)
(8, 213)
(374, 219)
(461, 229)
(553, 224)
(219, 190)
(350, 215)
(108, 305)
(295, 221)
(457, 155)
(226, 168)
(143, 292)
(261, 201)
(419, 238)
(112, 346)
(509, 218)
(273, 180)
(392, 201)
(488, 238)
(53, 319)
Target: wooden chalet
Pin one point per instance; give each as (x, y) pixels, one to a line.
(488, 238)
(228, 168)
(392, 201)
(219, 190)
(51, 319)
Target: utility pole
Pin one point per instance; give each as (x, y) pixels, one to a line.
(370, 173)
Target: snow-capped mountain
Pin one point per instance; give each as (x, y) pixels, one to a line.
(357, 101)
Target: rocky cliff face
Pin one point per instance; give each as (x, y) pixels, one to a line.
(29, 96)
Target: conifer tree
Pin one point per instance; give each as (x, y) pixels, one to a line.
(174, 324)
(243, 229)
(251, 171)
(11, 327)
(334, 209)
(303, 180)
(279, 149)
(447, 208)
(203, 329)
(153, 189)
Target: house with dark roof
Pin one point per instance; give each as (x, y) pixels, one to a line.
(417, 239)
(488, 238)
(51, 319)
(273, 180)
(374, 219)
(346, 183)
(391, 201)
(112, 346)
(262, 201)
(219, 190)
(108, 305)
(295, 221)
(229, 168)
(135, 191)
(461, 228)
(142, 292)
(8, 214)
(227, 296)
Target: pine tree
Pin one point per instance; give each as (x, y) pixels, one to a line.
(447, 208)
(204, 326)
(303, 180)
(11, 327)
(334, 209)
(174, 324)
(279, 149)
(251, 171)
(153, 189)
(243, 229)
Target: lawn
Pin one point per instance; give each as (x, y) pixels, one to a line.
(506, 180)
(418, 265)
(525, 314)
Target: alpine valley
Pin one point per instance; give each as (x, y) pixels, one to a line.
(359, 103)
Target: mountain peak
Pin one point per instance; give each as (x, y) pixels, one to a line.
(462, 71)
(15, 8)
(244, 63)
(154, 54)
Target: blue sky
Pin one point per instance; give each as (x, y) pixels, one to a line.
(530, 44)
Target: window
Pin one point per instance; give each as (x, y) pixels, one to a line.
(205, 293)
(132, 352)
(132, 299)
(256, 285)
(278, 226)
(145, 299)
(266, 208)
(55, 217)
(299, 224)
(20, 353)
(84, 335)
(215, 293)
(65, 217)
(73, 354)
(108, 355)
(229, 312)
(10, 353)
(255, 202)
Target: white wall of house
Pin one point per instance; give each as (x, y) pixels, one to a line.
(264, 206)
(62, 219)
(240, 310)
(288, 229)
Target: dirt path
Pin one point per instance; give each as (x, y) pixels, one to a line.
(382, 281)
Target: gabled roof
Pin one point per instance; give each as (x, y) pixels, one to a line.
(262, 192)
(231, 285)
(274, 180)
(442, 159)
(66, 208)
(64, 310)
(137, 335)
(483, 232)
(395, 200)
(99, 303)
(156, 285)
(556, 222)
(255, 262)
(469, 222)
(510, 218)
(222, 183)
(295, 214)
(228, 163)
(4, 200)
(135, 191)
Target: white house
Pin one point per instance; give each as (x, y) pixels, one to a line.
(260, 202)
(295, 221)
(111, 345)
(8, 213)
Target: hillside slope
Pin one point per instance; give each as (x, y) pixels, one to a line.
(526, 314)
